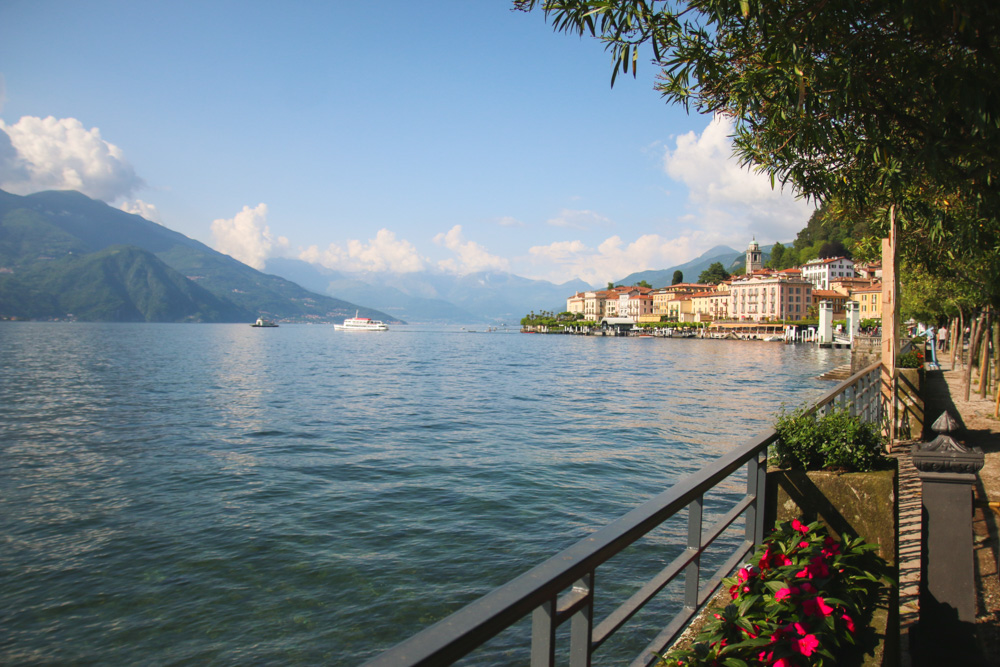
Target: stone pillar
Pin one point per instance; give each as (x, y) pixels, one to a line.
(947, 570)
(826, 323)
(853, 319)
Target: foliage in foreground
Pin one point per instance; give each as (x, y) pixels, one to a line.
(799, 602)
(835, 441)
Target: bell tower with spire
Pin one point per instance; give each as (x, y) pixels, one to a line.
(755, 258)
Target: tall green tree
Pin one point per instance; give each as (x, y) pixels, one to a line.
(714, 274)
(678, 277)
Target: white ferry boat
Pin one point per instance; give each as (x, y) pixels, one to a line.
(361, 324)
(261, 322)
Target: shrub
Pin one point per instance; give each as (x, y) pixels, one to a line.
(913, 359)
(799, 602)
(835, 441)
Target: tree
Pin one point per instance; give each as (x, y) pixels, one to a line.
(833, 249)
(611, 286)
(678, 277)
(714, 274)
(888, 109)
(643, 283)
(777, 257)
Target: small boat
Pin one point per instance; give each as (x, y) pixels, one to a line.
(361, 324)
(261, 322)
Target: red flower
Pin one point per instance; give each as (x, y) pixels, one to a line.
(785, 593)
(816, 568)
(816, 607)
(806, 645)
(848, 622)
(799, 526)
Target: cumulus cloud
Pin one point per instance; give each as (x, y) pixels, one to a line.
(613, 258)
(578, 219)
(383, 253)
(144, 209)
(732, 201)
(246, 237)
(61, 154)
(470, 256)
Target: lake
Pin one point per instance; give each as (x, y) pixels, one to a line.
(222, 494)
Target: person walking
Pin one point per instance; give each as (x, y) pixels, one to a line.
(942, 336)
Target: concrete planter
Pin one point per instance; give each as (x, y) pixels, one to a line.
(860, 503)
(863, 504)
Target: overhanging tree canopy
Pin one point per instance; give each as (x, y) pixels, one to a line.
(870, 104)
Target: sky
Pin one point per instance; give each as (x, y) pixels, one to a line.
(452, 135)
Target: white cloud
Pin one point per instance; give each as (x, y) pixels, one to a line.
(246, 237)
(508, 221)
(732, 201)
(60, 154)
(144, 209)
(578, 219)
(613, 259)
(471, 257)
(383, 253)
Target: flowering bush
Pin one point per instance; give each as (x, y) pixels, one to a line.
(798, 603)
(913, 359)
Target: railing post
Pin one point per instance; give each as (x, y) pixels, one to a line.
(582, 625)
(757, 488)
(692, 573)
(543, 635)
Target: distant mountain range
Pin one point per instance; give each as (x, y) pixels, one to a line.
(66, 256)
(425, 297)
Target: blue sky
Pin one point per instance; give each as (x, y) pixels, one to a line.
(393, 136)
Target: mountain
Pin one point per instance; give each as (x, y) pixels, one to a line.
(427, 297)
(63, 253)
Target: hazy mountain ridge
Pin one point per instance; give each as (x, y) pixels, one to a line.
(47, 270)
(442, 298)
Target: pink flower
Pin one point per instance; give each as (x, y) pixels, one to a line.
(816, 568)
(785, 593)
(848, 622)
(783, 662)
(806, 645)
(803, 545)
(799, 526)
(816, 607)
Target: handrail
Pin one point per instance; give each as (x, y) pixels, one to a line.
(538, 590)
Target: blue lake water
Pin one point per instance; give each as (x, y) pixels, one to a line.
(229, 495)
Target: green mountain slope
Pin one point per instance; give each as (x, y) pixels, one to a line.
(123, 284)
(45, 238)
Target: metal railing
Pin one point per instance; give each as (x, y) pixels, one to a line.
(562, 589)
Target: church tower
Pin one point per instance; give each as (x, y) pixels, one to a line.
(755, 258)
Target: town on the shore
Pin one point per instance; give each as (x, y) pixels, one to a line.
(760, 303)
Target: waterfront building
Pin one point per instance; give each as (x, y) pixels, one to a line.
(869, 300)
(838, 300)
(635, 303)
(594, 304)
(871, 270)
(576, 303)
(820, 272)
(770, 296)
(711, 306)
(663, 295)
(846, 286)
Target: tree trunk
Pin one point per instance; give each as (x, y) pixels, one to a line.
(984, 355)
(972, 349)
(957, 338)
